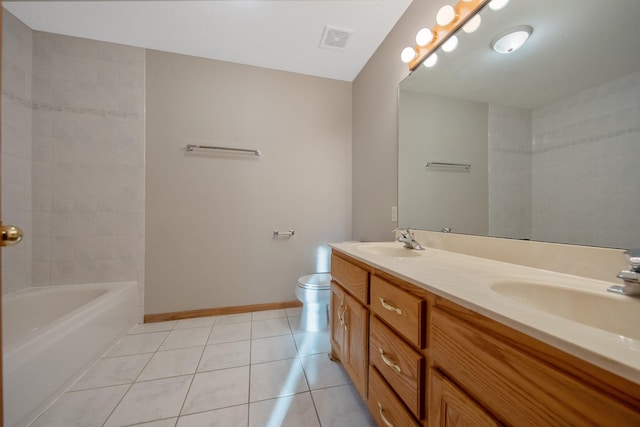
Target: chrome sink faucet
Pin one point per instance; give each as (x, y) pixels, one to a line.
(631, 277)
(409, 241)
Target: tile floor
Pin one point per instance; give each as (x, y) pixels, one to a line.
(255, 369)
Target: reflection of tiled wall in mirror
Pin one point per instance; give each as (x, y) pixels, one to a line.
(509, 172)
(585, 174)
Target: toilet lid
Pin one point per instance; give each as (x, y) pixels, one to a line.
(315, 281)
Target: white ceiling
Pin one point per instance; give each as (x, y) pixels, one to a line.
(282, 35)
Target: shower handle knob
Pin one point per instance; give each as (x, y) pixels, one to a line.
(11, 235)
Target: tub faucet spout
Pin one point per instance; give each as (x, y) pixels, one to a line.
(631, 277)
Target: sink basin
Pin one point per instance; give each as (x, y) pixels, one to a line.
(602, 310)
(392, 249)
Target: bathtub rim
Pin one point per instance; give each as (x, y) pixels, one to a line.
(29, 383)
(114, 289)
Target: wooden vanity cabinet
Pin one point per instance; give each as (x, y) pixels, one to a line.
(350, 320)
(404, 312)
(449, 406)
(354, 278)
(338, 308)
(379, 342)
(516, 379)
(416, 357)
(401, 366)
(385, 406)
(356, 341)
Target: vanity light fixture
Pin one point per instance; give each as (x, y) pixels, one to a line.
(431, 60)
(424, 37)
(449, 20)
(445, 15)
(451, 44)
(498, 4)
(408, 54)
(472, 25)
(511, 40)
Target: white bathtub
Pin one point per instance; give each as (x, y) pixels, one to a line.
(52, 334)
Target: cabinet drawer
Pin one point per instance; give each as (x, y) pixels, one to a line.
(399, 364)
(353, 278)
(404, 312)
(383, 404)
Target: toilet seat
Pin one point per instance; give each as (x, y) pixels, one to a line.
(316, 282)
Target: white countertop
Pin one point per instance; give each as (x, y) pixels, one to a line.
(467, 280)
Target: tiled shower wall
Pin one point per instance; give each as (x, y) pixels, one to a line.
(591, 142)
(84, 151)
(16, 149)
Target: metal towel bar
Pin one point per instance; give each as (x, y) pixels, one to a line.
(191, 147)
(277, 233)
(465, 166)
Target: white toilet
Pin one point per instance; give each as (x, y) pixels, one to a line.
(314, 292)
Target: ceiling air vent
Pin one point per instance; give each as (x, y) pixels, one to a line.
(335, 38)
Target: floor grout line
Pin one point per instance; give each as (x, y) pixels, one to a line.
(134, 380)
(299, 345)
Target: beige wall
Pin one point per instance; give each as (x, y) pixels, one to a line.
(210, 217)
(375, 126)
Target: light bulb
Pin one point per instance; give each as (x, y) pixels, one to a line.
(450, 44)
(472, 25)
(446, 15)
(424, 37)
(407, 55)
(498, 4)
(431, 60)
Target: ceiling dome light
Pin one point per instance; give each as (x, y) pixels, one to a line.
(445, 15)
(431, 60)
(472, 25)
(408, 54)
(424, 37)
(451, 44)
(498, 4)
(511, 40)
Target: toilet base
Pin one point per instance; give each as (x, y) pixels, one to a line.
(314, 317)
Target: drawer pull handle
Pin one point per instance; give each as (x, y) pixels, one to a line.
(344, 322)
(388, 361)
(384, 419)
(389, 307)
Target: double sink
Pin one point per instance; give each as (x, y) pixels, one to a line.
(596, 308)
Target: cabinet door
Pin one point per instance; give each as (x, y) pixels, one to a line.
(337, 323)
(356, 360)
(451, 407)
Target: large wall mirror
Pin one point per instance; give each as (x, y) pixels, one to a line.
(544, 142)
